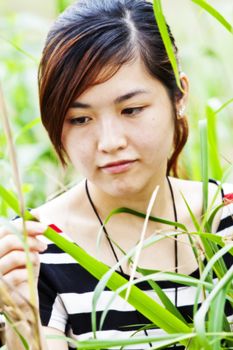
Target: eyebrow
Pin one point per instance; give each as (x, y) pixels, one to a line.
(118, 100)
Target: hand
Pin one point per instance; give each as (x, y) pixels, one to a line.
(13, 259)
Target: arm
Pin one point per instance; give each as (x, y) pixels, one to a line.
(13, 342)
(57, 344)
(14, 295)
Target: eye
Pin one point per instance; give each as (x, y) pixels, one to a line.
(132, 111)
(79, 120)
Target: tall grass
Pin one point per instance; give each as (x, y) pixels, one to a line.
(206, 331)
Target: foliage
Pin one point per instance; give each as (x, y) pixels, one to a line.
(206, 331)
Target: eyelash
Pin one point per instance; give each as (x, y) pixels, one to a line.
(76, 121)
(132, 111)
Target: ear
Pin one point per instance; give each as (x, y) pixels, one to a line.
(182, 102)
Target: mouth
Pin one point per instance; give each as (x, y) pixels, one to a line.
(118, 167)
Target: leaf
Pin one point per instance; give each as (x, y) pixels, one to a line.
(194, 220)
(10, 199)
(158, 12)
(139, 245)
(199, 317)
(215, 163)
(213, 214)
(224, 105)
(213, 12)
(14, 327)
(95, 344)
(216, 317)
(204, 162)
(208, 268)
(137, 298)
(19, 49)
(144, 304)
(27, 127)
(142, 215)
(156, 276)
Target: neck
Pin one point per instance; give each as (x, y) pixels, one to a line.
(105, 202)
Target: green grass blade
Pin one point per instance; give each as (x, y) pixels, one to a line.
(210, 214)
(204, 162)
(208, 268)
(10, 199)
(142, 215)
(165, 300)
(224, 105)
(199, 317)
(216, 317)
(144, 304)
(210, 250)
(174, 277)
(139, 300)
(14, 327)
(61, 5)
(27, 127)
(213, 214)
(95, 344)
(192, 244)
(158, 12)
(194, 220)
(127, 257)
(163, 297)
(213, 12)
(215, 238)
(19, 49)
(13, 203)
(156, 276)
(215, 163)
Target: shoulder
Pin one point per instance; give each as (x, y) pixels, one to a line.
(228, 191)
(192, 191)
(71, 214)
(60, 209)
(226, 222)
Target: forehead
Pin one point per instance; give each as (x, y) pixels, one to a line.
(131, 76)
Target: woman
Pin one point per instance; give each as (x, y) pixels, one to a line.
(111, 106)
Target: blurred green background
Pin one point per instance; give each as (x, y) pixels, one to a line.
(206, 53)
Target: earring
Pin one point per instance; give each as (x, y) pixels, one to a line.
(180, 114)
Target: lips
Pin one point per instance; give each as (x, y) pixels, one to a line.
(120, 162)
(118, 166)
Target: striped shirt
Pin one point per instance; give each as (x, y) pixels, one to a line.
(66, 290)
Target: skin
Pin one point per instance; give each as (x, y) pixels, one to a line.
(107, 125)
(109, 131)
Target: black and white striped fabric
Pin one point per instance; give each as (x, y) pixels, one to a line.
(66, 291)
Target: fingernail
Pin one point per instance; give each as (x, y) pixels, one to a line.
(42, 228)
(42, 247)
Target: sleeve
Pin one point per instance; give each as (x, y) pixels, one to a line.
(52, 310)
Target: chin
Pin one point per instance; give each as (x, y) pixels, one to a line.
(124, 189)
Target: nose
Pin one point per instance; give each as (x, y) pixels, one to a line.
(112, 135)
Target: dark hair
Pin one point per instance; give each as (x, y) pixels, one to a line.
(95, 34)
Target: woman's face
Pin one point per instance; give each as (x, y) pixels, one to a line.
(119, 133)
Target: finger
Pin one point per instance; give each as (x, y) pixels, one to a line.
(11, 242)
(16, 277)
(15, 260)
(18, 287)
(33, 228)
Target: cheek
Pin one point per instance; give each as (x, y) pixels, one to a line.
(77, 148)
(157, 135)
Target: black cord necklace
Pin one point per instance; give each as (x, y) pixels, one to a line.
(110, 242)
(101, 223)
